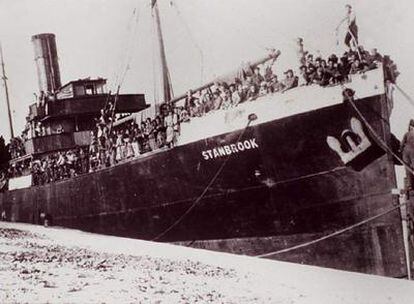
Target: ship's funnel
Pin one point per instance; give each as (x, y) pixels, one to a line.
(47, 64)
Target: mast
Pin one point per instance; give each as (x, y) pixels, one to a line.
(6, 91)
(165, 79)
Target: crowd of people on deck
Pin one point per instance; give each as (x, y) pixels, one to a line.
(53, 167)
(59, 166)
(258, 82)
(110, 144)
(114, 142)
(16, 147)
(334, 70)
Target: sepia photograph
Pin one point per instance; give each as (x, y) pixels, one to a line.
(207, 151)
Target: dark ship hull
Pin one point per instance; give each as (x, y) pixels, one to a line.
(281, 185)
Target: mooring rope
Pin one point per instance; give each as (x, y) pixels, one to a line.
(197, 201)
(408, 97)
(377, 138)
(363, 222)
(331, 235)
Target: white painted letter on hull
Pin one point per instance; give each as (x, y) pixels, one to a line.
(238, 147)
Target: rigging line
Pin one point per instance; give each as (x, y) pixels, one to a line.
(114, 108)
(190, 34)
(131, 48)
(132, 27)
(408, 97)
(252, 37)
(117, 70)
(170, 82)
(268, 25)
(374, 133)
(197, 201)
(134, 43)
(124, 64)
(336, 233)
(154, 68)
(120, 81)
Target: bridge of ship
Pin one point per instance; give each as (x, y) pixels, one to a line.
(70, 117)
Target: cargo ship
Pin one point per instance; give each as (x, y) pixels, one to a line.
(266, 175)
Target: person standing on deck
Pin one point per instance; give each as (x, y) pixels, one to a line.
(407, 149)
(351, 37)
(301, 53)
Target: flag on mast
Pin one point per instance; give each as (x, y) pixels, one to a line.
(351, 37)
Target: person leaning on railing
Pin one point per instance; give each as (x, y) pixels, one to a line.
(290, 81)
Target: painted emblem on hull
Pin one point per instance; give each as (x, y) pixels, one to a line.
(353, 142)
(225, 150)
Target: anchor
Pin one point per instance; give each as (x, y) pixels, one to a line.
(354, 147)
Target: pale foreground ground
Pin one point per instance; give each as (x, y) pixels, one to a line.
(53, 265)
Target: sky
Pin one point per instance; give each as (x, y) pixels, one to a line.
(203, 39)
